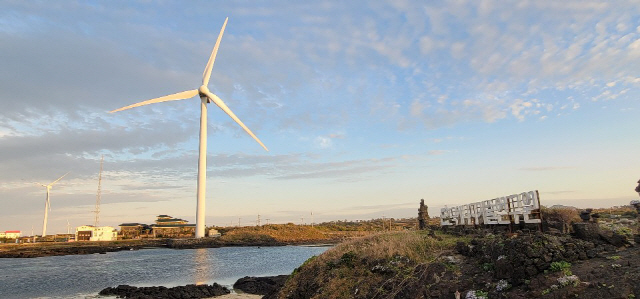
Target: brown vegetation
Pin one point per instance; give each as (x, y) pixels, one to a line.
(286, 233)
(291, 233)
(560, 218)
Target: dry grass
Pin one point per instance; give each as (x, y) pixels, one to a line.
(278, 232)
(415, 245)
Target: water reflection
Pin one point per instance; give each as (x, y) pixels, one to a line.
(202, 266)
(83, 276)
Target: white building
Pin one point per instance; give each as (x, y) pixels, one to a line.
(11, 234)
(214, 233)
(92, 233)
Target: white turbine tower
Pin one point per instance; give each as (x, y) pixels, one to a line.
(47, 204)
(205, 97)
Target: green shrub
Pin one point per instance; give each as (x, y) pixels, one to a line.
(561, 266)
(482, 294)
(348, 259)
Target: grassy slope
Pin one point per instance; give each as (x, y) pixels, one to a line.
(287, 233)
(370, 267)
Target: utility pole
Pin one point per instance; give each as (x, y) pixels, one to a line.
(312, 219)
(258, 221)
(267, 221)
(239, 221)
(301, 220)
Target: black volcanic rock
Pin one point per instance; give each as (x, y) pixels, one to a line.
(260, 285)
(189, 291)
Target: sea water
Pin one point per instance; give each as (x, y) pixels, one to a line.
(83, 276)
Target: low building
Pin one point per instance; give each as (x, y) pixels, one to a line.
(212, 232)
(65, 237)
(11, 234)
(92, 233)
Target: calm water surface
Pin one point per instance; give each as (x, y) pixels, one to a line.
(83, 276)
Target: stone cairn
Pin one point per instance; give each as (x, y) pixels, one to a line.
(423, 215)
(588, 229)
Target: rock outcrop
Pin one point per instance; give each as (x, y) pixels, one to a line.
(260, 285)
(190, 291)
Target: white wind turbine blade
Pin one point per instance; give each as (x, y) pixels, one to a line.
(172, 97)
(58, 179)
(207, 70)
(228, 111)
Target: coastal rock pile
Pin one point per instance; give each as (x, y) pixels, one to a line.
(190, 291)
(260, 285)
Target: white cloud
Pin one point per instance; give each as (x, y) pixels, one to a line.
(458, 50)
(519, 109)
(426, 45)
(436, 152)
(323, 142)
(416, 108)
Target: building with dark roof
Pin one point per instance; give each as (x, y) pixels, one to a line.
(165, 227)
(169, 227)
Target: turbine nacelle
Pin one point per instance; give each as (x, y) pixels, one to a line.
(203, 92)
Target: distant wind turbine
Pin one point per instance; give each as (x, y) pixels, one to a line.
(47, 204)
(205, 97)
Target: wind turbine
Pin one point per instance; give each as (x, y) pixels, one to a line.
(47, 204)
(205, 97)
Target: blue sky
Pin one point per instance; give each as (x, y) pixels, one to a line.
(366, 107)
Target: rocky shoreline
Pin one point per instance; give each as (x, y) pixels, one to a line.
(31, 250)
(160, 292)
(264, 286)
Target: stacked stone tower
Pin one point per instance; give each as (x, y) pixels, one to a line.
(423, 215)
